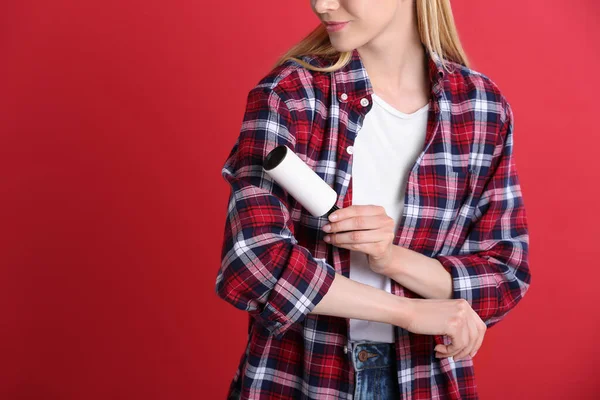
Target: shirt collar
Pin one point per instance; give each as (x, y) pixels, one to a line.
(354, 81)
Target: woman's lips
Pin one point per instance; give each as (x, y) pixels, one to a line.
(336, 27)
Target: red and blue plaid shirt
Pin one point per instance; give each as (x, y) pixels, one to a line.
(463, 206)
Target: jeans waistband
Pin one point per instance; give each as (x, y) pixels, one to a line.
(368, 355)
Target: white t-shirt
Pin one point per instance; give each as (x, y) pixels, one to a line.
(385, 149)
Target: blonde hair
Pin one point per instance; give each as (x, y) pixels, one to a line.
(437, 31)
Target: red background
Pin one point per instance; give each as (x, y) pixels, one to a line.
(115, 120)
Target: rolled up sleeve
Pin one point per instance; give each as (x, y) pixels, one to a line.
(264, 270)
(491, 270)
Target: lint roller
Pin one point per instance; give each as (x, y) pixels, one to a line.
(291, 173)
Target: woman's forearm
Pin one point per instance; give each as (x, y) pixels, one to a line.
(421, 274)
(351, 299)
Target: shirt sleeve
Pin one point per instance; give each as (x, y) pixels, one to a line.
(491, 270)
(264, 270)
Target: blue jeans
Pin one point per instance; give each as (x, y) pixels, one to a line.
(375, 370)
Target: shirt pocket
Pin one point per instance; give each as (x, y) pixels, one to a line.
(458, 185)
(443, 188)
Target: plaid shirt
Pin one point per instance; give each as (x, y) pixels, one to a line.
(463, 206)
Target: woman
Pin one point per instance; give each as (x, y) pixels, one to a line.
(430, 244)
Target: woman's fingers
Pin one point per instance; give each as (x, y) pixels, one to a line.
(442, 348)
(473, 336)
(453, 318)
(365, 220)
(351, 237)
(482, 328)
(459, 333)
(467, 340)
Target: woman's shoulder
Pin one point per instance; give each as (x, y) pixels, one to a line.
(293, 82)
(478, 87)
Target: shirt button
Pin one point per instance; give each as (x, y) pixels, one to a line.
(350, 149)
(345, 349)
(344, 97)
(364, 102)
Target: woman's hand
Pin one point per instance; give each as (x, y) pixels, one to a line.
(367, 228)
(364, 228)
(454, 318)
